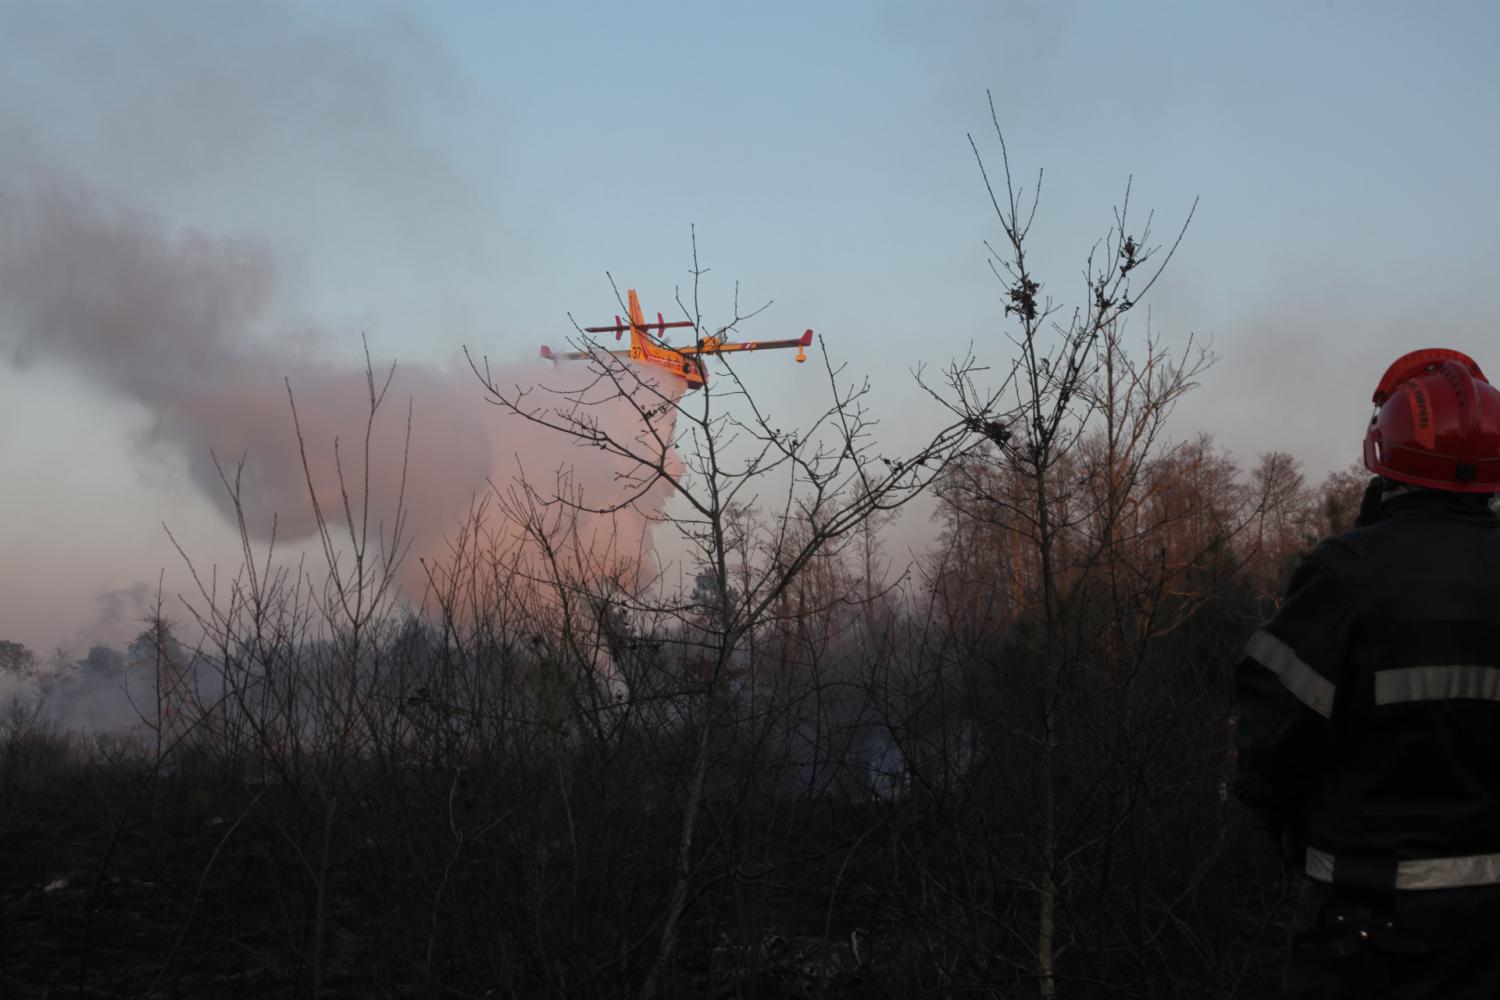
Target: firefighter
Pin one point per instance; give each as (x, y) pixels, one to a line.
(1368, 739)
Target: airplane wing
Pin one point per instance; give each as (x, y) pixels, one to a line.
(752, 345)
(552, 355)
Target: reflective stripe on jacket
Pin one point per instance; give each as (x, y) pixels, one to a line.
(1415, 873)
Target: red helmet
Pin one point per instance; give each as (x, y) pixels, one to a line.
(1437, 424)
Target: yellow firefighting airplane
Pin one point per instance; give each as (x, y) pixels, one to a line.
(682, 362)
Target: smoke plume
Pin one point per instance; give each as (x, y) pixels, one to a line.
(185, 325)
(196, 201)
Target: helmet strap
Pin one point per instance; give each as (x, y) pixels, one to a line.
(1395, 488)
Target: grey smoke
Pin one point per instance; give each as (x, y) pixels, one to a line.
(195, 196)
(186, 326)
(182, 324)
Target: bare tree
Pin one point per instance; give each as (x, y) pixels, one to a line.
(718, 451)
(1070, 374)
(299, 656)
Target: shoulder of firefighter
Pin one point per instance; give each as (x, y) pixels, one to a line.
(1369, 706)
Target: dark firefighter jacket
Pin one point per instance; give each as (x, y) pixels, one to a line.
(1370, 704)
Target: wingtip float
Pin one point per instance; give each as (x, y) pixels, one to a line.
(648, 348)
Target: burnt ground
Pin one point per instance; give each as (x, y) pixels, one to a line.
(116, 884)
(98, 903)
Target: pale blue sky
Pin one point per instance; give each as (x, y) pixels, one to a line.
(445, 174)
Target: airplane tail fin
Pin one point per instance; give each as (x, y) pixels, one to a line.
(637, 319)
